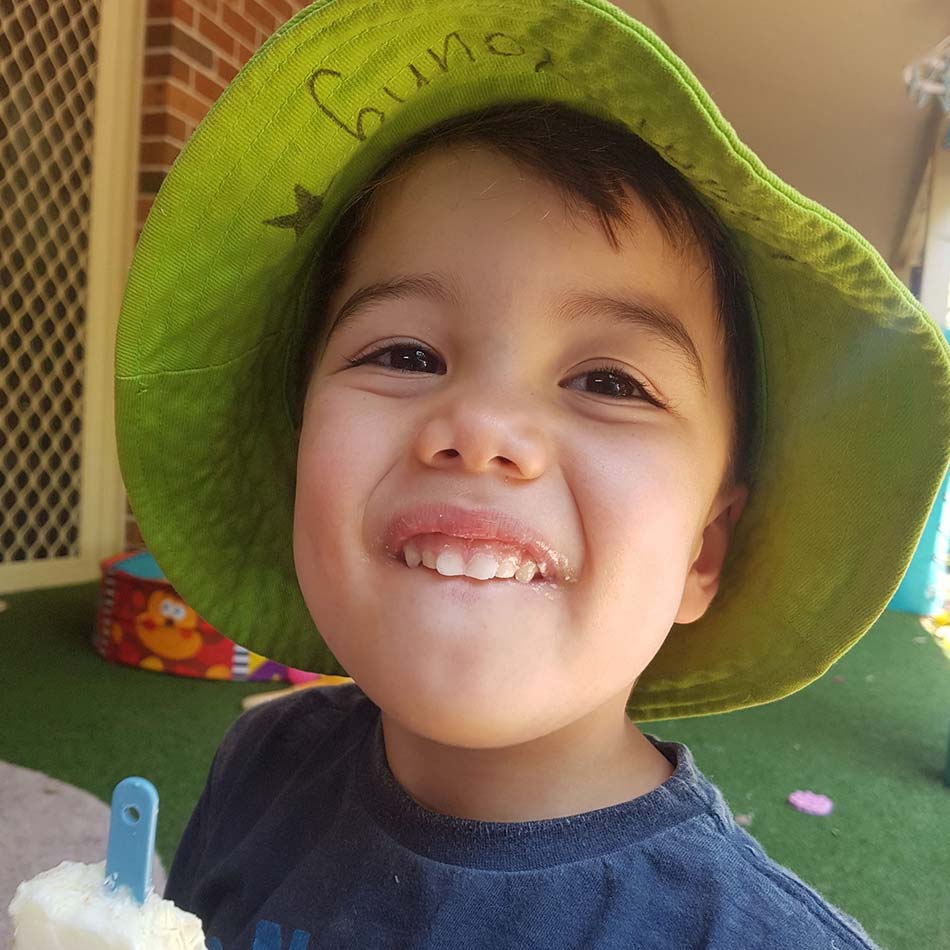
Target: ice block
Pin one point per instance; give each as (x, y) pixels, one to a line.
(109, 905)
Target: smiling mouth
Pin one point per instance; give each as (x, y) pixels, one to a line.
(535, 581)
(476, 560)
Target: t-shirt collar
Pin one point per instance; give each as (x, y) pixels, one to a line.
(524, 845)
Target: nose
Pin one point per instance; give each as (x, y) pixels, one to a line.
(473, 434)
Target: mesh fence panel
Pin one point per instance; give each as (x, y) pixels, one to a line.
(47, 95)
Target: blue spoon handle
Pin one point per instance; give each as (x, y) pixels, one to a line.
(132, 827)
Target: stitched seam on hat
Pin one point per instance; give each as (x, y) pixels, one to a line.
(200, 369)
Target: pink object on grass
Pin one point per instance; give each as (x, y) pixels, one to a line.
(300, 676)
(811, 803)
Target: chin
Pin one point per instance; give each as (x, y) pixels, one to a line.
(492, 716)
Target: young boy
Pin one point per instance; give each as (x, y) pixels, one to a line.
(537, 417)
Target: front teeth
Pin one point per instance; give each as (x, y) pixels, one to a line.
(450, 564)
(481, 567)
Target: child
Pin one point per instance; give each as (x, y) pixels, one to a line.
(466, 352)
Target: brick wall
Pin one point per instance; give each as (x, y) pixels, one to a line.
(193, 48)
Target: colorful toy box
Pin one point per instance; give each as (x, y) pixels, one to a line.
(141, 621)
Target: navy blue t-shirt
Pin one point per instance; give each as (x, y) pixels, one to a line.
(303, 839)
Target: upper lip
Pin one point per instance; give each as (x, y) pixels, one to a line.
(481, 523)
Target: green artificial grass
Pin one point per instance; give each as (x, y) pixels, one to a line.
(875, 743)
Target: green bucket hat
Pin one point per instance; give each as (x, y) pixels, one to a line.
(854, 398)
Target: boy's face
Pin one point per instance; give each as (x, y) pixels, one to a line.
(503, 410)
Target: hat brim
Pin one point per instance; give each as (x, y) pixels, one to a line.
(854, 401)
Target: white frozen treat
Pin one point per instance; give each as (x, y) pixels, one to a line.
(70, 908)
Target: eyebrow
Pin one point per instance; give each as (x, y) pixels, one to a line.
(631, 311)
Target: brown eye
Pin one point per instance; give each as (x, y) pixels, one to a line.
(614, 382)
(406, 358)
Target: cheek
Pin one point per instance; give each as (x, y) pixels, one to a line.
(338, 462)
(638, 505)
(635, 487)
(637, 554)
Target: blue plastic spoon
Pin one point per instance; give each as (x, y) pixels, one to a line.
(132, 827)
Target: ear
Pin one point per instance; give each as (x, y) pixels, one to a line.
(702, 581)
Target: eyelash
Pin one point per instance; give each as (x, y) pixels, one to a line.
(612, 369)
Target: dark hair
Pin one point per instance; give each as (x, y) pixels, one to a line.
(588, 159)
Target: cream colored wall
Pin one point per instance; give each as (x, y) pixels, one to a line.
(816, 90)
(935, 287)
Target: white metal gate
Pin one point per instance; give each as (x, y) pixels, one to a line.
(70, 87)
